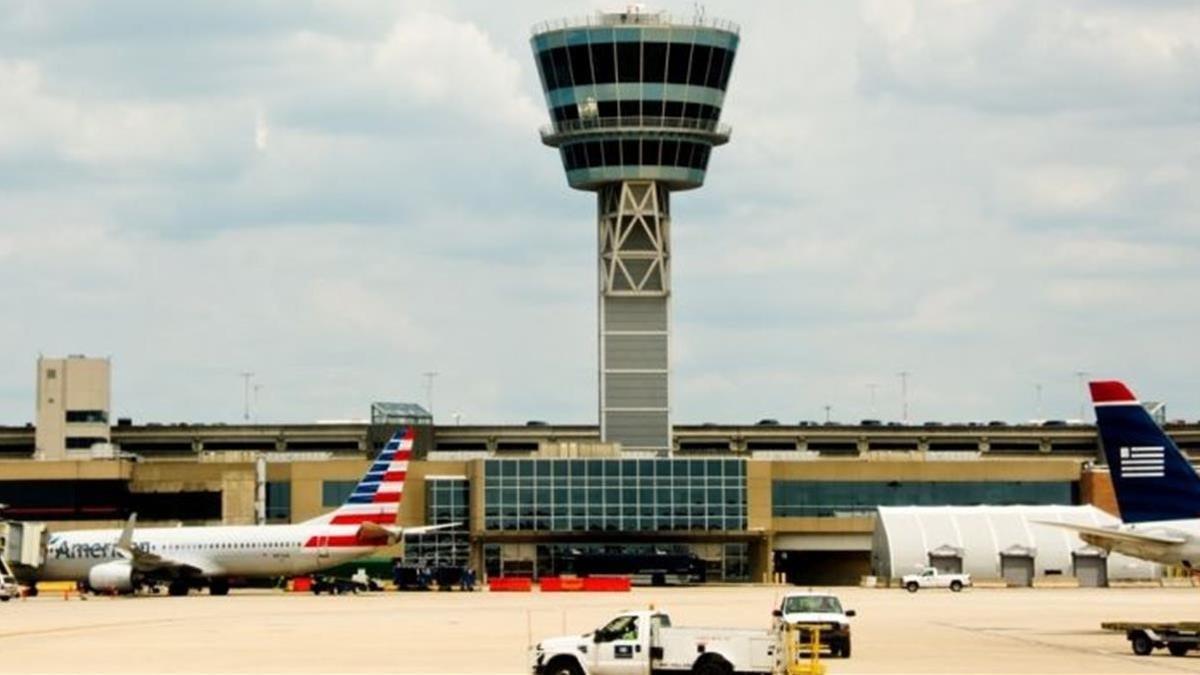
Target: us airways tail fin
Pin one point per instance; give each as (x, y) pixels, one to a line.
(376, 498)
(1152, 478)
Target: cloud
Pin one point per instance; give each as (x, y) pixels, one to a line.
(1025, 57)
(340, 196)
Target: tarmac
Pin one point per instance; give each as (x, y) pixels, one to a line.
(933, 631)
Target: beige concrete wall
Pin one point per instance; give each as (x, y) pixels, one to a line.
(73, 383)
(758, 495)
(67, 469)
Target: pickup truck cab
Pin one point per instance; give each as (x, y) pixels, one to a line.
(8, 588)
(822, 609)
(645, 643)
(931, 578)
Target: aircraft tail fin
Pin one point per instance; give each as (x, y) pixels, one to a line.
(376, 497)
(1153, 479)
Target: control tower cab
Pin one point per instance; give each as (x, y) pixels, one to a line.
(635, 101)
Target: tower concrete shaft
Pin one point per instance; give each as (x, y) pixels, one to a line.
(635, 315)
(635, 102)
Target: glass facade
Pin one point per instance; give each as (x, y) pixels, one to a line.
(697, 65)
(279, 501)
(447, 500)
(634, 152)
(614, 495)
(843, 498)
(335, 492)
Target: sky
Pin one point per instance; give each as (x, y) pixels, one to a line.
(340, 196)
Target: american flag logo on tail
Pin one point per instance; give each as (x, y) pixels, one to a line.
(375, 500)
(1143, 461)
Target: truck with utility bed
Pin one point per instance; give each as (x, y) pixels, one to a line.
(646, 643)
(931, 577)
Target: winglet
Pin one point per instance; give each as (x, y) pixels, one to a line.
(125, 541)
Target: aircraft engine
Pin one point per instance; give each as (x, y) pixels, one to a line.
(111, 576)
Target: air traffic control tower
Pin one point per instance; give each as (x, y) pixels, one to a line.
(635, 101)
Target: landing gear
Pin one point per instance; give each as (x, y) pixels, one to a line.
(177, 588)
(218, 587)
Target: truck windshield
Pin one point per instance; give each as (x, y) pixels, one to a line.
(812, 604)
(620, 628)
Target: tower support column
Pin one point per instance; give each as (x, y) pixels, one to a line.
(634, 313)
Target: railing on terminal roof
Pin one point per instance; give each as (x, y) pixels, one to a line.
(639, 122)
(609, 19)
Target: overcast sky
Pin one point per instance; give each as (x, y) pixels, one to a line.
(342, 195)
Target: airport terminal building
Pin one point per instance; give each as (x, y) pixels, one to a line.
(751, 501)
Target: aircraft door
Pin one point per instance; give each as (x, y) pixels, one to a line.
(322, 547)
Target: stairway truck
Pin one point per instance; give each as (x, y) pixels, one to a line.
(646, 643)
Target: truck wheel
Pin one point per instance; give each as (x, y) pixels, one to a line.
(912, 586)
(177, 588)
(956, 585)
(845, 649)
(1142, 646)
(563, 666)
(218, 587)
(1177, 649)
(712, 665)
(3, 598)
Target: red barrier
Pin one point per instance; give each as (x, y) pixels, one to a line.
(518, 584)
(560, 584)
(607, 584)
(597, 584)
(302, 584)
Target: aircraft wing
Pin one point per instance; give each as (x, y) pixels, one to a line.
(145, 561)
(374, 532)
(405, 531)
(1112, 538)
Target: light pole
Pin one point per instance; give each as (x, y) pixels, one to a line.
(873, 387)
(828, 409)
(429, 375)
(257, 388)
(904, 395)
(1081, 376)
(246, 375)
(1037, 409)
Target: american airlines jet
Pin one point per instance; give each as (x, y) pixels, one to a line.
(185, 557)
(1157, 489)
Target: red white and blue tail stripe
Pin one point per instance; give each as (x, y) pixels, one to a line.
(376, 498)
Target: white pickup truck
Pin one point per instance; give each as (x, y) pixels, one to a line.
(644, 642)
(931, 578)
(809, 608)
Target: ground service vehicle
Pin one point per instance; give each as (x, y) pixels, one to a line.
(810, 608)
(8, 588)
(652, 568)
(645, 643)
(931, 578)
(1178, 637)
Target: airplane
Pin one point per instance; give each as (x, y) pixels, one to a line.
(124, 560)
(1158, 490)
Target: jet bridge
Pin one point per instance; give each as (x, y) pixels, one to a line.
(22, 547)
